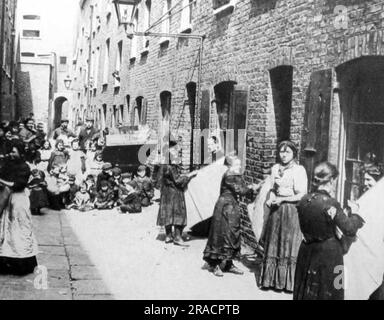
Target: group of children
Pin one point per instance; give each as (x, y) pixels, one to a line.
(81, 180)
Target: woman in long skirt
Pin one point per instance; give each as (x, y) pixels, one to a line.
(18, 246)
(282, 236)
(320, 259)
(224, 241)
(172, 211)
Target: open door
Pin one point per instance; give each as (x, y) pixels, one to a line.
(315, 137)
(238, 119)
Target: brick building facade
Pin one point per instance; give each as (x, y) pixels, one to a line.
(46, 46)
(306, 70)
(8, 56)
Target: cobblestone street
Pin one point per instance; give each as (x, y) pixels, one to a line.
(105, 255)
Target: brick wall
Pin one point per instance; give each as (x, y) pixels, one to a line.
(242, 45)
(33, 90)
(7, 65)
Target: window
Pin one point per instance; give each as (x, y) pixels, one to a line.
(31, 33)
(104, 119)
(138, 111)
(27, 54)
(121, 113)
(134, 43)
(186, 16)
(221, 5)
(63, 60)
(118, 63)
(166, 24)
(106, 62)
(147, 21)
(31, 17)
(96, 68)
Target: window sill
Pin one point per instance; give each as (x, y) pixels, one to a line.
(227, 7)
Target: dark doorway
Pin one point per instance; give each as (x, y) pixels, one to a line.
(281, 83)
(191, 101)
(223, 103)
(361, 84)
(58, 113)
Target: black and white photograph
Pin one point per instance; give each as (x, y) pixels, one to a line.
(191, 150)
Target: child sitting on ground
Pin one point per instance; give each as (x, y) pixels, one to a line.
(106, 175)
(69, 197)
(82, 201)
(91, 187)
(146, 188)
(129, 198)
(104, 199)
(38, 192)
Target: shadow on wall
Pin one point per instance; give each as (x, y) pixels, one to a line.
(24, 103)
(259, 7)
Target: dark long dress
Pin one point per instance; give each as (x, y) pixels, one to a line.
(224, 240)
(321, 252)
(172, 209)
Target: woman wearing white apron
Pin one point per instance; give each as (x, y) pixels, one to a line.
(18, 245)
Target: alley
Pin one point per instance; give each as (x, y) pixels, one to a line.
(105, 255)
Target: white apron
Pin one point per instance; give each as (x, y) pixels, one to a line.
(16, 235)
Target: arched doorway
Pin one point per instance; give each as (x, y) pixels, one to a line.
(61, 108)
(361, 94)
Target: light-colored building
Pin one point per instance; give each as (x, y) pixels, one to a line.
(8, 60)
(46, 30)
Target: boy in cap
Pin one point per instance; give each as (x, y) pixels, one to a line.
(146, 188)
(129, 197)
(104, 198)
(106, 174)
(73, 189)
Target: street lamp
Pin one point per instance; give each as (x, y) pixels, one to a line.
(124, 10)
(67, 82)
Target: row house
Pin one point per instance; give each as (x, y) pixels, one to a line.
(309, 71)
(8, 60)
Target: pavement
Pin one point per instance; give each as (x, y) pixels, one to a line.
(104, 255)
